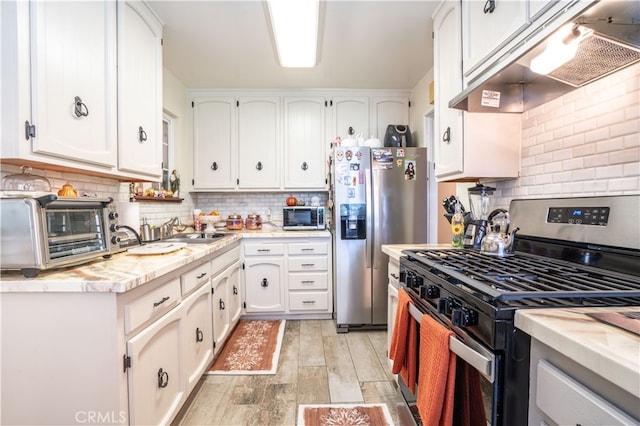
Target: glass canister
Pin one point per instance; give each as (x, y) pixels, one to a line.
(253, 221)
(234, 222)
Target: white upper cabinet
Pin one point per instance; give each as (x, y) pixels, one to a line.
(487, 26)
(305, 143)
(448, 146)
(73, 80)
(386, 111)
(349, 113)
(259, 143)
(139, 89)
(214, 147)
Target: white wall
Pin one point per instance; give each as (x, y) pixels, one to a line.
(419, 107)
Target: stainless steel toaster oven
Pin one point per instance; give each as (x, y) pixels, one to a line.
(49, 232)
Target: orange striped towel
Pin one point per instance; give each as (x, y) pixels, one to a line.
(404, 342)
(437, 375)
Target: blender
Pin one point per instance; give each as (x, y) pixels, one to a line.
(481, 202)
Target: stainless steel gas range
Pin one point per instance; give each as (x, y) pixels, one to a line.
(569, 252)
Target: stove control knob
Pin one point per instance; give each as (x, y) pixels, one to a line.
(432, 291)
(115, 240)
(419, 280)
(463, 317)
(410, 279)
(444, 306)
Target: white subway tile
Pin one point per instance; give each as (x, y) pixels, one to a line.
(609, 172)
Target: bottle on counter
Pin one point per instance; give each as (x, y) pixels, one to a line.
(457, 226)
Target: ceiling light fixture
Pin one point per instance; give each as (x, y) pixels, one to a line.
(561, 48)
(295, 30)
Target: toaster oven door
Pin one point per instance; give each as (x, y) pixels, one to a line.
(75, 232)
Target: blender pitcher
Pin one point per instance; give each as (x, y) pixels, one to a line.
(481, 201)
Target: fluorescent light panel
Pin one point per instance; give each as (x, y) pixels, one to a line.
(561, 48)
(295, 29)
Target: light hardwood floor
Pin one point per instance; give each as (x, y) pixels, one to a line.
(317, 366)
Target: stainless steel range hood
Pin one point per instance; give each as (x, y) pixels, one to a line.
(615, 44)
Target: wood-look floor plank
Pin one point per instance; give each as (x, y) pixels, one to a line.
(279, 405)
(288, 364)
(365, 358)
(313, 385)
(381, 392)
(311, 341)
(343, 380)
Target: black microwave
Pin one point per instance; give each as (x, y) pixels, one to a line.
(303, 218)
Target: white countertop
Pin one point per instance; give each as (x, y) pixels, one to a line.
(607, 350)
(125, 271)
(395, 250)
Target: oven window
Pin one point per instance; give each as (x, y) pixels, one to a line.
(75, 231)
(298, 217)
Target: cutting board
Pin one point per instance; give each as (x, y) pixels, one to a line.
(157, 248)
(629, 321)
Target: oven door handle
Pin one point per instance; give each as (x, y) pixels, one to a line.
(477, 357)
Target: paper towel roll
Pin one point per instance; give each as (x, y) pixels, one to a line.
(129, 214)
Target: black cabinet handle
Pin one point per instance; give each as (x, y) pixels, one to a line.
(304, 166)
(446, 136)
(81, 109)
(235, 290)
(164, 299)
(259, 165)
(222, 307)
(163, 379)
(214, 166)
(264, 283)
(489, 6)
(201, 275)
(142, 135)
(199, 335)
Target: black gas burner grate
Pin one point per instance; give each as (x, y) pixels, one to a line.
(530, 280)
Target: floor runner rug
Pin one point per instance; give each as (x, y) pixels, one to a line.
(253, 348)
(344, 415)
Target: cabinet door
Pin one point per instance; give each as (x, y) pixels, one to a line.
(139, 90)
(214, 147)
(448, 83)
(264, 284)
(305, 143)
(486, 29)
(219, 300)
(156, 378)
(386, 111)
(349, 113)
(197, 335)
(73, 81)
(258, 142)
(235, 295)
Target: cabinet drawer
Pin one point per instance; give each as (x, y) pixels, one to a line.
(308, 263)
(317, 301)
(264, 249)
(151, 305)
(192, 279)
(308, 281)
(309, 248)
(225, 259)
(393, 271)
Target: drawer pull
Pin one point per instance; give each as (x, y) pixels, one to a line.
(221, 305)
(307, 282)
(264, 250)
(235, 290)
(163, 379)
(308, 265)
(264, 283)
(199, 335)
(308, 249)
(395, 277)
(164, 299)
(309, 302)
(204, 274)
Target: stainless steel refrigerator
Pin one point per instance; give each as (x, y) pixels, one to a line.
(379, 197)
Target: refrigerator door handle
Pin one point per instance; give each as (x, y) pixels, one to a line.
(369, 219)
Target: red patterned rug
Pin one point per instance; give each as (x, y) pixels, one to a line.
(344, 415)
(253, 348)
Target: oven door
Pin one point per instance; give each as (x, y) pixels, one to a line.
(468, 351)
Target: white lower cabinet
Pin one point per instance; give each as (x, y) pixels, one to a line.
(226, 305)
(288, 275)
(392, 299)
(235, 294)
(156, 377)
(198, 335)
(219, 300)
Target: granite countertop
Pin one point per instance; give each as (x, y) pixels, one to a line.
(395, 250)
(125, 271)
(607, 350)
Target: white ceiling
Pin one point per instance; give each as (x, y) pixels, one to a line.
(362, 45)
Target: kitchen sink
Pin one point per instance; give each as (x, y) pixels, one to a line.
(195, 237)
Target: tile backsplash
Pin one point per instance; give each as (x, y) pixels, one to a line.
(584, 143)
